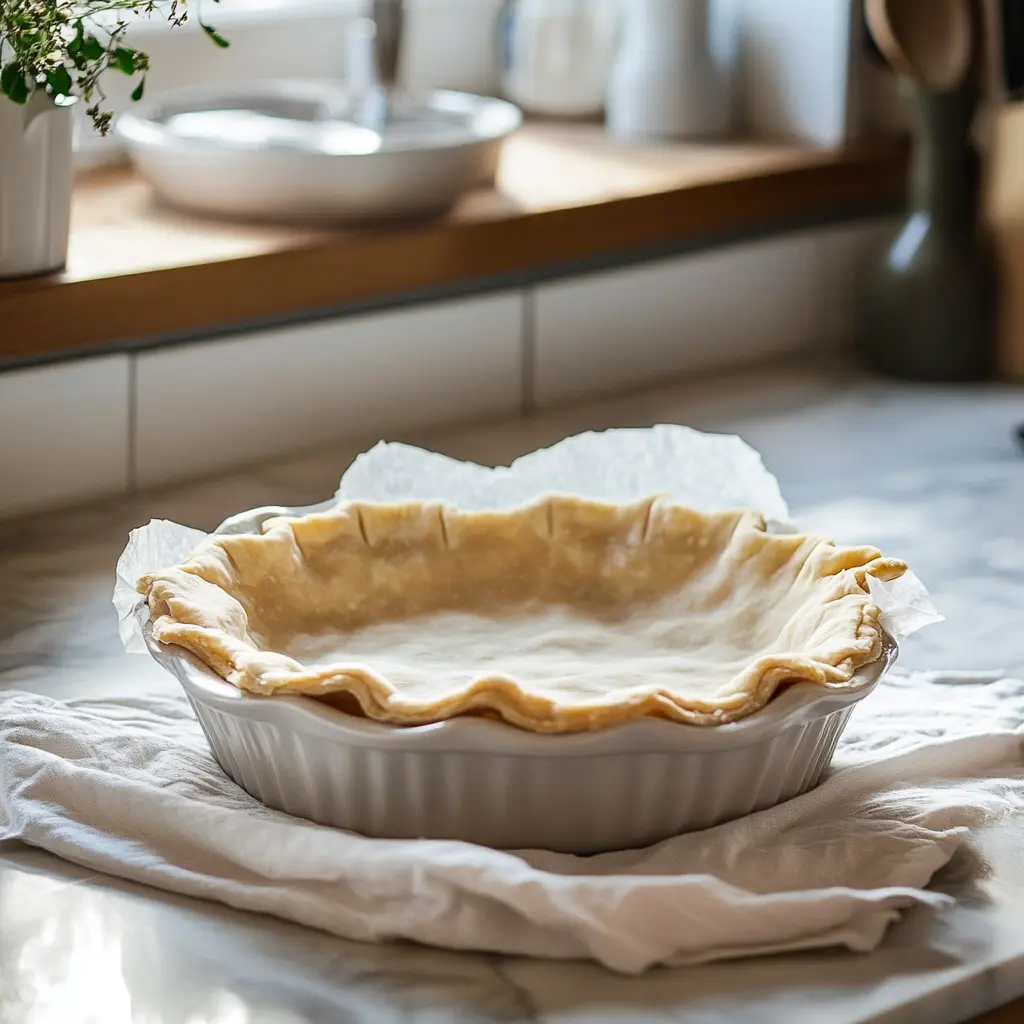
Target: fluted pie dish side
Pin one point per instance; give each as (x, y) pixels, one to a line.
(486, 782)
(563, 616)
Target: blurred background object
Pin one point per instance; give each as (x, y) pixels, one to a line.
(802, 67)
(556, 54)
(930, 42)
(725, 209)
(388, 31)
(771, 69)
(930, 310)
(675, 72)
(1004, 172)
(35, 186)
(452, 44)
(270, 39)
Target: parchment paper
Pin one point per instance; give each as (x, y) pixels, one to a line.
(707, 472)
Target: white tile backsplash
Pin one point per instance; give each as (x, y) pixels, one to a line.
(63, 433)
(209, 406)
(623, 328)
(66, 429)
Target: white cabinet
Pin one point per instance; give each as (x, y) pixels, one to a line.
(63, 433)
(623, 328)
(219, 404)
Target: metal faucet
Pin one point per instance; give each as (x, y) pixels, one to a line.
(389, 21)
(374, 49)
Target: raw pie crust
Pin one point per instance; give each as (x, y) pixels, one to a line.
(562, 616)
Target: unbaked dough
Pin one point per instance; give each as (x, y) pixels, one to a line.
(562, 616)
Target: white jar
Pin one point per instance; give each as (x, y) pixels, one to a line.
(674, 76)
(557, 55)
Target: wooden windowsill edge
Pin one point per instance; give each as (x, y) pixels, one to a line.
(276, 276)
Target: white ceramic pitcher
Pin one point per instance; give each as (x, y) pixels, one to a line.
(557, 54)
(674, 76)
(35, 185)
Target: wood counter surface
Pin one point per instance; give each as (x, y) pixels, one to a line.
(138, 271)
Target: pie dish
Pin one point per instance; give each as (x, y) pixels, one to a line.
(479, 780)
(562, 616)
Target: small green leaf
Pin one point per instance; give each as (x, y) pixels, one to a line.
(13, 84)
(139, 90)
(92, 48)
(75, 46)
(215, 36)
(100, 121)
(124, 60)
(59, 82)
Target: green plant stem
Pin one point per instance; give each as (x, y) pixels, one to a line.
(63, 47)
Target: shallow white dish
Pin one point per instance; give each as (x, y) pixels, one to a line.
(486, 782)
(295, 150)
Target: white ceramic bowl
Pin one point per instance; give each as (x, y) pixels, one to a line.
(291, 150)
(486, 782)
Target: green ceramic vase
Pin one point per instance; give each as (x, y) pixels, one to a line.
(929, 311)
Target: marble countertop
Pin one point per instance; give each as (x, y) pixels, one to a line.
(928, 474)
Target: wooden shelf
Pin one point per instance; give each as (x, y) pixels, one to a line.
(138, 270)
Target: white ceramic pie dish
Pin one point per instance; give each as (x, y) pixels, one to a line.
(482, 781)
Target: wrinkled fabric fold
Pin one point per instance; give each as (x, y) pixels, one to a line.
(129, 788)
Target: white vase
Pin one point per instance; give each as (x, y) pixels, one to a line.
(35, 186)
(557, 55)
(674, 76)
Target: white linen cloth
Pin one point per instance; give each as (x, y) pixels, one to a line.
(130, 788)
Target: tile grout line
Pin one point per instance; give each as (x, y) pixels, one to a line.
(529, 352)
